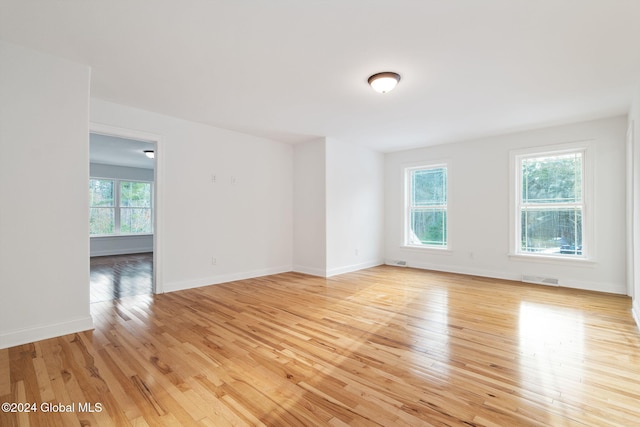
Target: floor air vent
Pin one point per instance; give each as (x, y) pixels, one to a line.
(540, 280)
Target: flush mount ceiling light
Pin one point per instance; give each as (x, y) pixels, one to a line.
(149, 153)
(384, 82)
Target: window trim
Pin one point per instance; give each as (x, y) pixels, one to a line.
(406, 209)
(117, 207)
(588, 216)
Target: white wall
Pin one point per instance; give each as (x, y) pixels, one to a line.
(118, 245)
(243, 219)
(309, 208)
(479, 207)
(121, 245)
(338, 207)
(44, 168)
(634, 177)
(355, 207)
(98, 170)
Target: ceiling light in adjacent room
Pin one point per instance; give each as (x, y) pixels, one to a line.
(384, 82)
(149, 153)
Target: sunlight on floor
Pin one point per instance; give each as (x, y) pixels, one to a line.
(551, 347)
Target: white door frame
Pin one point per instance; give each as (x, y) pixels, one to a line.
(631, 211)
(108, 130)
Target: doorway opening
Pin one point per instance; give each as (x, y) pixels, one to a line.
(123, 191)
(113, 277)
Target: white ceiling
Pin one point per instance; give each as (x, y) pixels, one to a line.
(111, 150)
(292, 69)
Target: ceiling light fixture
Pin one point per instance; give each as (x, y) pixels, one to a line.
(149, 153)
(384, 82)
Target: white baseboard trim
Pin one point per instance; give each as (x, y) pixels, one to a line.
(594, 286)
(353, 267)
(635, 311)
(42, 332)
(312, 271)
(466, 271)
(223, 278)
(564, 282)
(338, 270)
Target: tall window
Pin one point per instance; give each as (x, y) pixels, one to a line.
(426, 210)
(102, 201)
(550, 207)
(135, 207)
(120, 207)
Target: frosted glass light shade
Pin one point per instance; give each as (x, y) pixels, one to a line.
(384, 82)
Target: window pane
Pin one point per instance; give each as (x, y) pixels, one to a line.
(429, 187)
(101, 221)
(135, 194)
(101, 192)
(552, 231)
(552, 179)
(135, 220)
(428, 227)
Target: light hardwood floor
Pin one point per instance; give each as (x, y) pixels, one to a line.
(384, 346)
(118, 276)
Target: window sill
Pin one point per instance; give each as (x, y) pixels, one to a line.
(553, 259)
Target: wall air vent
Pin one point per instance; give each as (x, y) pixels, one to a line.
(541, 280)
(401, 263)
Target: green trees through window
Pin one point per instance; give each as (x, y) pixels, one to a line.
(427, 207)
(551, 204)
(135, 207)
(120, 207)
(102, 207)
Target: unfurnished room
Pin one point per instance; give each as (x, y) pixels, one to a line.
(305, 213)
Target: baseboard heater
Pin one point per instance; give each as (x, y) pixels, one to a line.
(541, 280)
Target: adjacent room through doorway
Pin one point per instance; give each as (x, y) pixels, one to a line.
(119, 276)
(121, 225)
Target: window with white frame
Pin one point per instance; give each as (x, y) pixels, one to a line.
(550, 209)
(426, 222)
(119, 207)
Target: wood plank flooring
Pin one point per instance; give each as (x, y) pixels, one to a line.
(384, 346)
(118, 276)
